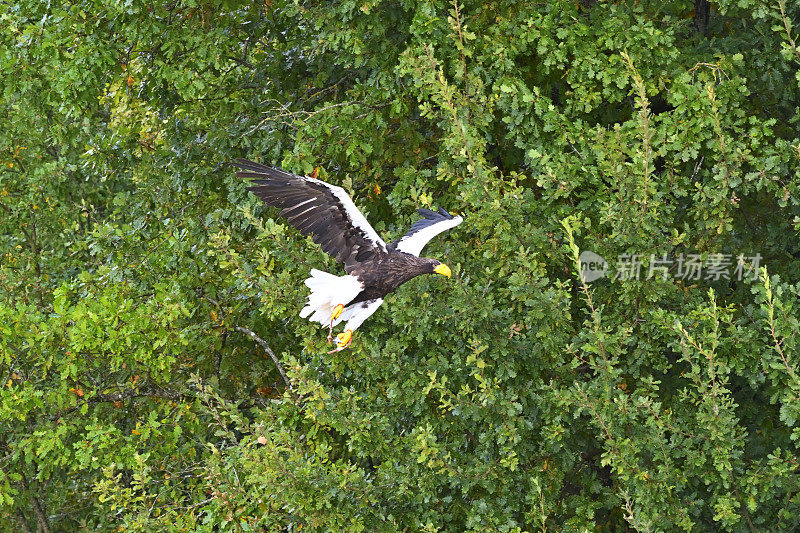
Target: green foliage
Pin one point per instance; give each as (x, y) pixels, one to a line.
(516, 397)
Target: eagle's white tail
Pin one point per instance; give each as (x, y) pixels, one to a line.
(328, 291)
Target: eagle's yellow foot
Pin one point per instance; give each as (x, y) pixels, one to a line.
(335, 313)
(343, 340)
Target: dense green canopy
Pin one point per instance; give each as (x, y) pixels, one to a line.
(145, 296)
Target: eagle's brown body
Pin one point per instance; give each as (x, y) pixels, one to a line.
(386, 272)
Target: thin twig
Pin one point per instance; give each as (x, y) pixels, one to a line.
(267, 349)
(150, 392)
(788, 29)
(23, 522)
(743, 506)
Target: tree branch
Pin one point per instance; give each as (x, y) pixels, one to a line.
(166, 394)
(267, 349)
(44, 525)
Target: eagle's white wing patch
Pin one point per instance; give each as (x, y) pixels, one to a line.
(426, 229)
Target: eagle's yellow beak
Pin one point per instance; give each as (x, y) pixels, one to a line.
(337, 312)
(443, 269)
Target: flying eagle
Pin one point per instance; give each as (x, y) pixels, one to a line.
(374, 268)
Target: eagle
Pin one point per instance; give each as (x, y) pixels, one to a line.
(373, 268)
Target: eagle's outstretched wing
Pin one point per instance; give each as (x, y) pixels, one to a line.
(424, 230)
(319, 209)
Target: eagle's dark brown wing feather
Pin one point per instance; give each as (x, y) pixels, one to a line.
(317, 209)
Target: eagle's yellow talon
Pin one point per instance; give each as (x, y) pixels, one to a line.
(343, 339)
(336, 313)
